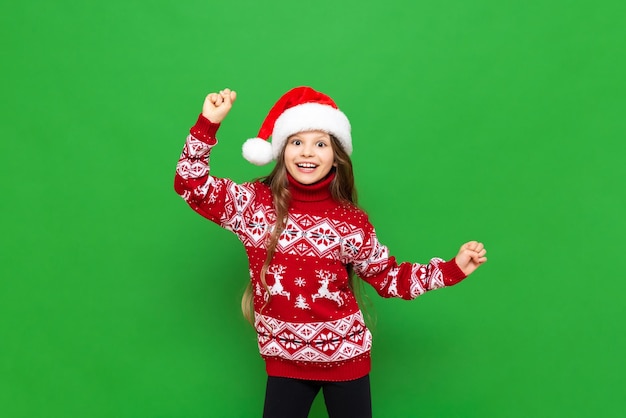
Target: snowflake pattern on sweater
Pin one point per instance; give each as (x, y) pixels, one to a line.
(312, 327)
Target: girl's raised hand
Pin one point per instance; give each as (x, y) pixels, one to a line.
(471, 256)
(217, 105)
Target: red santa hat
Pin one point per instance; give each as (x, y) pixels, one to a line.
(300, 109)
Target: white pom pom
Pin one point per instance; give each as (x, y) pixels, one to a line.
(258, 151)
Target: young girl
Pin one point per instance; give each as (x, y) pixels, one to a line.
(304, 237)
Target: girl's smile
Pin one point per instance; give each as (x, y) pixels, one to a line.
(309, 156)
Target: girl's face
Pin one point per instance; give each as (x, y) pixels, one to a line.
(309, 156)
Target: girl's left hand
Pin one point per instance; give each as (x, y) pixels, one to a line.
(471, 256)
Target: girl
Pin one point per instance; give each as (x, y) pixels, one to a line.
(304, 237)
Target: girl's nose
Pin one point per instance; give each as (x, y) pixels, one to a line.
(307, 151)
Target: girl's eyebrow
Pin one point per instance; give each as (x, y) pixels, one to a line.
(316, 138)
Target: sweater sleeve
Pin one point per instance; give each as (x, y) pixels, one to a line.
(403, 280)
(218, 199)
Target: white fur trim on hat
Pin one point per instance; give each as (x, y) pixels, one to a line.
(258, 151)
(311, 117)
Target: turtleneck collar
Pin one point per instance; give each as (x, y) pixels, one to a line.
(314, 196)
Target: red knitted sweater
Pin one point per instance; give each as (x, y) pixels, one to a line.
(312, 327)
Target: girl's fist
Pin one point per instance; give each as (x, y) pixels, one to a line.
(471, 256)
(217, 105)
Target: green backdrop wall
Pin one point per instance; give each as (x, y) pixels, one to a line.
(502, 121)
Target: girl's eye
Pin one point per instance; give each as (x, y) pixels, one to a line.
(321, 144)
(296, 142)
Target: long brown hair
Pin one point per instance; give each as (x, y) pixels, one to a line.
(342, 190)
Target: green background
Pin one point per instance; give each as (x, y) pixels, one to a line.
(502, 121)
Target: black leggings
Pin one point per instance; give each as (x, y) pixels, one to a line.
(292, 398)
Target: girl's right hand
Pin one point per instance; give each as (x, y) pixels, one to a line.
(217, 105)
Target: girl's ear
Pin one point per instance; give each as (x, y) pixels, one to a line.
(335, 163)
